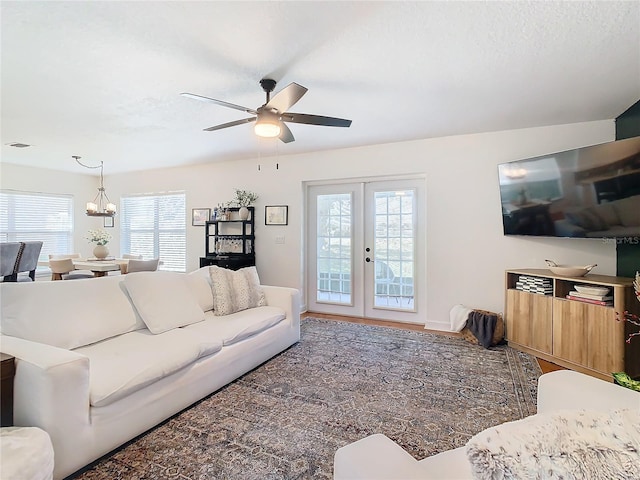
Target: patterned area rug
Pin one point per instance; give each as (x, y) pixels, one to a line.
(342, 382)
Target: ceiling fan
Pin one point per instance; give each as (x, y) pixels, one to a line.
(270, 118)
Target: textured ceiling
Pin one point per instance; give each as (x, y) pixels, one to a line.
(102, 79)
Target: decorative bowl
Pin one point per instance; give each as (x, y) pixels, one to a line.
(569, 270)
(591, 290)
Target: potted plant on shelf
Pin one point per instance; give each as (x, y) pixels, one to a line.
(100, 238)
(621, 378)
(243, 199)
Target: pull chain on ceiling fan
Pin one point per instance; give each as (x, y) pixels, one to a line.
(270, 118)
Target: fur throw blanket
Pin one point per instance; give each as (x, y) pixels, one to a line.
(567, 445)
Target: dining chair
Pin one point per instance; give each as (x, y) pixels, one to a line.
(28, 261)
(142, 265)
(9, 255)
(61, 270)
(62, 256)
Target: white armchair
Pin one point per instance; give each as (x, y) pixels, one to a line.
(379, 458)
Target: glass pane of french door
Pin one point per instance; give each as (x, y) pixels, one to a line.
(334, 249)
(394, 249)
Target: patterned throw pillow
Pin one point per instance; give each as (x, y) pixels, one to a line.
(234, 291)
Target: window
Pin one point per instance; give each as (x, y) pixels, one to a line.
(45, 217)
(155, 226)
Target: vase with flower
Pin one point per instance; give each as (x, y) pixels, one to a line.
(243, 199)
(100, 238)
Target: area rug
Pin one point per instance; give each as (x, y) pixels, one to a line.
(340, 383)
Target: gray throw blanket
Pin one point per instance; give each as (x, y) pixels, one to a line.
(482, 325)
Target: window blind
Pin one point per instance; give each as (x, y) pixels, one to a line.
(155, 226)
(45, 217)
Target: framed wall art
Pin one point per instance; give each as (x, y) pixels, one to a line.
(276, 215)
(199, 216)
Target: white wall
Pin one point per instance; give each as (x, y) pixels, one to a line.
(38, 180)
(466, 251)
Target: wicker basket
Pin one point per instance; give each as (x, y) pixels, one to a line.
(498, 334)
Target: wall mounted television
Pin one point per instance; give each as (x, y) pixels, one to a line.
(590, 192)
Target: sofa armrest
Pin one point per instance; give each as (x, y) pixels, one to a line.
(376, 457)
(51, 386)
(566, 389)
(286, 298)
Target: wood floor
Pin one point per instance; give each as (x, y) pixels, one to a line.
(544, 365)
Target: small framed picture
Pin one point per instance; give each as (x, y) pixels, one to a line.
(108, 222)
(276, 215)
(199, 216)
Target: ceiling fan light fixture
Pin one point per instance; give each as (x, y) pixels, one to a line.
(267, 128)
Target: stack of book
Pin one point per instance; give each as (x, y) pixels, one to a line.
(605, 300)
(538, 285)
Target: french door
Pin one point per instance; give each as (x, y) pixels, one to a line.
(366, 244)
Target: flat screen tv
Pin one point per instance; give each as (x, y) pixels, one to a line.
(590, 192)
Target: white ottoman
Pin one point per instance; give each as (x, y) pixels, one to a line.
(26, 453)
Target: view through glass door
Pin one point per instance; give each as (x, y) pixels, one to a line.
(364, 245)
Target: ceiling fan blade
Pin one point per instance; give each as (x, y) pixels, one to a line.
(285, 134)
(219, 102)
(315, 120)
(287, 97)
(231, 124)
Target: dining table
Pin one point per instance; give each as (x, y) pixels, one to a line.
(99, 268)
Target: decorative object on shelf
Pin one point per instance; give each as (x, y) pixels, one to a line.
(101, 206)
(539, 285)
(200, 216)
(276, 215)
(100, 238)
(243, 199)
(591, 290)
(568, 270)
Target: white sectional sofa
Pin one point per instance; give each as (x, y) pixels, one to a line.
(100, 361)
(379, 458)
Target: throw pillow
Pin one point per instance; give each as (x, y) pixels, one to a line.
(163, 300)
(567, 444)
(237, 290)
(199, 283)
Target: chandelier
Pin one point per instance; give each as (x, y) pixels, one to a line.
(101, 206)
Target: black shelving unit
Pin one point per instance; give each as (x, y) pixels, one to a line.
(230, 243)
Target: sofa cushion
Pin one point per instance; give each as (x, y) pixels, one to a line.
(199, 284)
(627, 210)
(563, 444)
(237, 290)
(163, 300)
(237, 326)
(586, 219)
(124, 364)
(67, 314)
